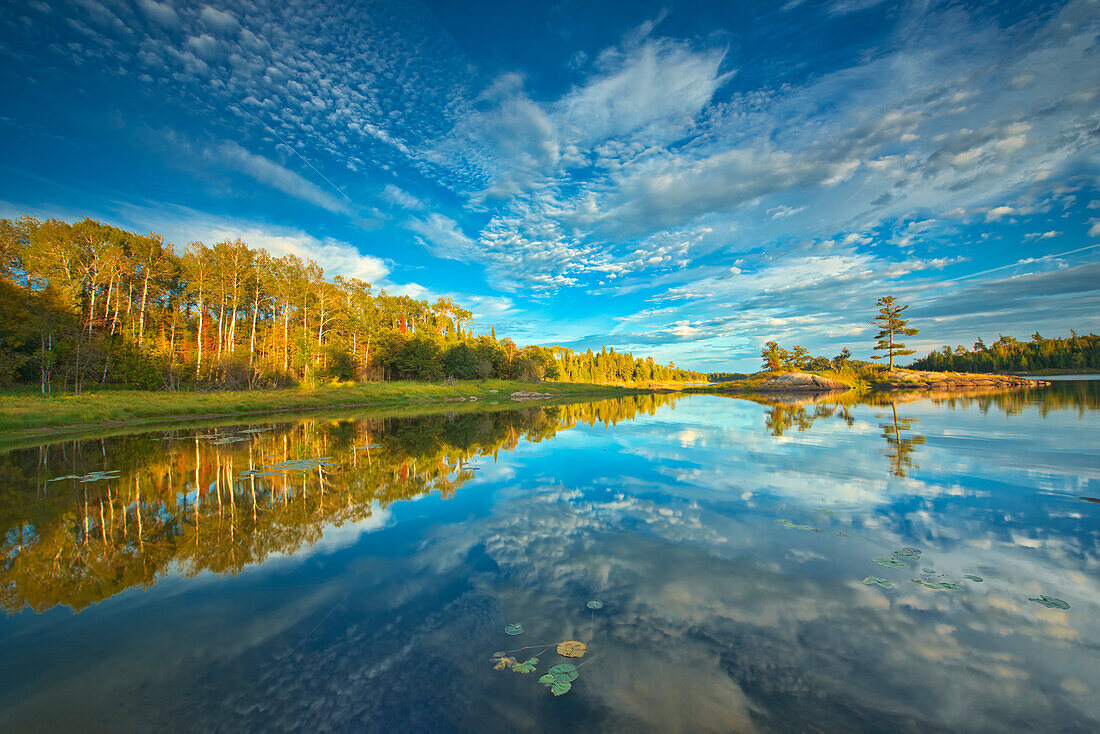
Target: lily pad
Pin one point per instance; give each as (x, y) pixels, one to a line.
(560, 687)
(972, 577)
(513, 629)
(907, 554)
(572, 649)
(528, 666)
(938, 585)
(1050, 602)
(502, 661)
(546, 679)
(889, 562)
(594, 604)
(564, 669)
(881, 582)
(825, 512)
(841, 533)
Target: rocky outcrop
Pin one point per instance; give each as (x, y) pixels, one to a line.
(948, 381)
(801, 382)
(521, 395)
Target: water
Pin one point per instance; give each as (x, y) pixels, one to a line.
(728, 540)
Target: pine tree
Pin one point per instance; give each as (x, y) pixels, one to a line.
(890, 324)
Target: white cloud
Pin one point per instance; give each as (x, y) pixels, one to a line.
(402, 198)
(181, 225)
(442, 236)
(998, 212)
(162, 13)
(276, 176)
(221, 21)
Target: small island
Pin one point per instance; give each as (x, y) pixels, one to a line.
(795, 371)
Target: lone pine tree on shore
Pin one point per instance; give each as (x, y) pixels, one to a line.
(891, 325)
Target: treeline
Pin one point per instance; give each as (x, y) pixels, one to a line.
(1007, 354)
(779, 359)
(91, 303)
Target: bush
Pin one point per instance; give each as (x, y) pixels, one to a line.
(339, 365)
(461, 362)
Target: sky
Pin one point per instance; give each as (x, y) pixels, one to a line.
(682, 179)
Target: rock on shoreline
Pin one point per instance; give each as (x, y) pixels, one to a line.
(912, 380)
(801, 382)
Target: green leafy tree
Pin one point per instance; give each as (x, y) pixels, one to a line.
(890, 326)
(775, 357)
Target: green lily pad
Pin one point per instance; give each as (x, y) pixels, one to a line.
(881, 582)
(889, 562)
(825, 512)
(972, 577)
(594, 604)
(514, 629)
(525, 667)
(547, 679)
(938, 585)
(907, 554)
(561, 668)
(1050, 602)
(560, 687)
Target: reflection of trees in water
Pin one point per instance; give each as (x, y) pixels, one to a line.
(193, 503)
(901, 444)
(782, 417)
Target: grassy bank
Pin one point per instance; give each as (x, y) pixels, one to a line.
(24, 414)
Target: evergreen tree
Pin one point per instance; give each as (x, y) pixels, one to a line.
(890, 325)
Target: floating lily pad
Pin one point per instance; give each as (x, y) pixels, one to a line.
(889, 562)
(560, 687)
(972, 577)
(546, 679)
(841, 533)
(825, 512)
(594, 604)
(564, 669)
(1050, 602)
(938, 585)
(928, 570)
(794, 526)
(513, 629)
(502, 661)
(907, 554)
(528, 666)
(572, 649)
(881, 582)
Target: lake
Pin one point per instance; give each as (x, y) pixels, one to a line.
(908, 564)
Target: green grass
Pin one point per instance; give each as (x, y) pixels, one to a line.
(23, 413)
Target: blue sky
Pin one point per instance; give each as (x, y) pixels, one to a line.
(686, 179)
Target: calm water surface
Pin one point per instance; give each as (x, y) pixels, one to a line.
(356, 574)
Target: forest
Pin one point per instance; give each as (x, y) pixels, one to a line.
(1007, 354)
(87, 303)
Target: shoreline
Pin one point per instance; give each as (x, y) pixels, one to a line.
(896, 381)
(36, 418)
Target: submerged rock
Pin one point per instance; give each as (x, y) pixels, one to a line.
(524, 395)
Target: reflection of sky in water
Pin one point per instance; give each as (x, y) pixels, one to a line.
(717, 617)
